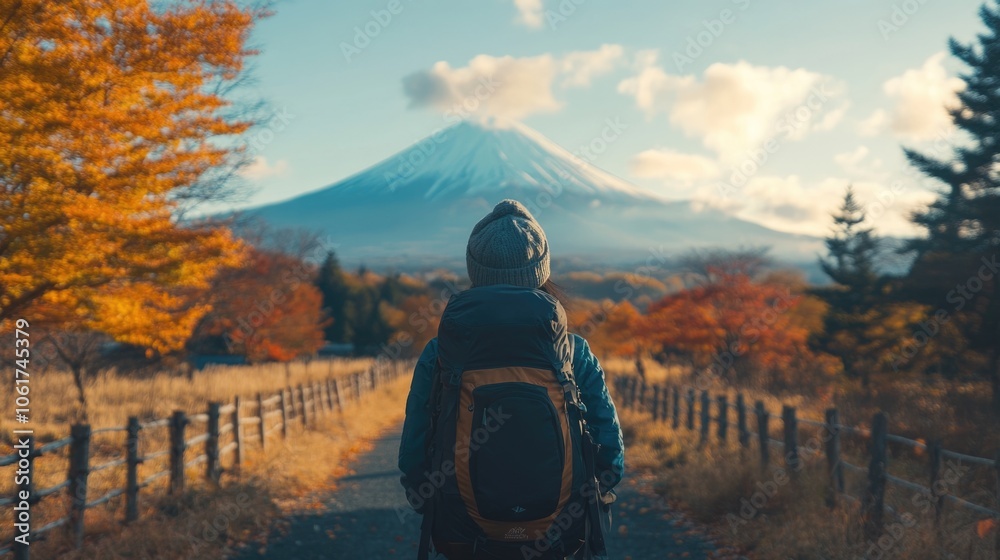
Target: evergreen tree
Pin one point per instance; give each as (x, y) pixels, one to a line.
(853, 250)
(333, 286)
(369, 326)
(963, 225)
(851, 265)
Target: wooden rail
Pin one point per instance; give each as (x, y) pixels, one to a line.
(872, 502)
(303, 404)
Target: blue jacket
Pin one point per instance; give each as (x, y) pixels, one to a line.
(601, 416)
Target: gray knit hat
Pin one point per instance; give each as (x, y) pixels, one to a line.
(508, 247)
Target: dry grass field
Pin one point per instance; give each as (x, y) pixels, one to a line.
(203, 522)
(773, 516)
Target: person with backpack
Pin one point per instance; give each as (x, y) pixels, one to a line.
(511, 444)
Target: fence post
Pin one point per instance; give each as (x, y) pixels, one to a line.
(706, 416)
(212, 470)
(723, 418)
(642, 395)
(792, 460)
(677, 407)
(937, 489)
(177, 447)
(319, 404)
(763, 434)
(132, 469)
(329, 395)
(665, 405)
(833, 457)
(284, 415)
(690, 418)
(656, 403)
(873, 505)
(633, 391)
(262, 412)
(237, 434)
(79, 469)
(304, 408)
(340, 394)
(357, 385)
(23, 551)
(741, 421)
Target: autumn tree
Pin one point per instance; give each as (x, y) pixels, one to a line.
(113, 119)
(266, 310)
(732, 326)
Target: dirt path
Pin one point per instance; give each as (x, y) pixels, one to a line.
(368, 518)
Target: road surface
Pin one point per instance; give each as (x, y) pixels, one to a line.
(368, 518)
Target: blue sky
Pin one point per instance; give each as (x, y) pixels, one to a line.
(827, 92)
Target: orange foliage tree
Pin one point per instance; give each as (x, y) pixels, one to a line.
(110, 119)
(267, 310)
(732, 327)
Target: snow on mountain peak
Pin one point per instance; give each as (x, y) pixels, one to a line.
(488, 156)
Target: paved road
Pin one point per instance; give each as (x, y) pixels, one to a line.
(368, 518)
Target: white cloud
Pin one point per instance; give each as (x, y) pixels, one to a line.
(874, 124)
(506, 86)
(260, 168)
(734, 108)
(581, 67)
(920, 98)
(530, 13)
(791, 204)
(672, 165)
(858, 162)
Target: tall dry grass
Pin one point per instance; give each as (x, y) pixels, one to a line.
(772, 515)
(203, 522)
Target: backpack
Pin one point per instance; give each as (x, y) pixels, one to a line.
(509, 451)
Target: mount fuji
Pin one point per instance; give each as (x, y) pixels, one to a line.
(419, 205)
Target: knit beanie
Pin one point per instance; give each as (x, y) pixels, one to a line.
(508, 247)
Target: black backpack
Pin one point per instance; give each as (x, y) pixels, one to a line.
(509, 448)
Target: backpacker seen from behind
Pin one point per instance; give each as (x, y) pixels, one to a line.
(508, 435)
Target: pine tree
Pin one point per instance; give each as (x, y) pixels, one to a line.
(963, 225)
(852, 248)
(333, 285)
(853, 251)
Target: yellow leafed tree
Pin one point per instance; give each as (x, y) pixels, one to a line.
(114, 117)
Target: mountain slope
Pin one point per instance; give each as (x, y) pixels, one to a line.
(422, 203)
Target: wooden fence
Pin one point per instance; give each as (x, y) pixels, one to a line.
(677, 406)
(303, 404)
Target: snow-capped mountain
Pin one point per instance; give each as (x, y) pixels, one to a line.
(422, 203)
(483, 158)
